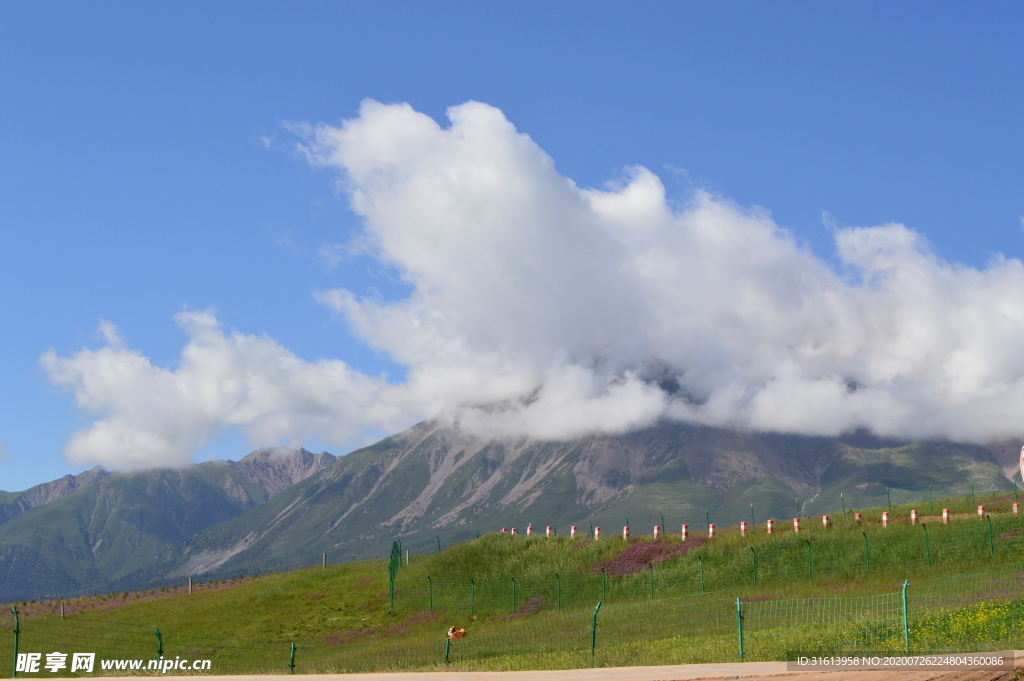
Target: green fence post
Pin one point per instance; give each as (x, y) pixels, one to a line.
(513, 595)
(927, 546)
(707, 517)
(662, 516)
(472, 597)
(843, 502)
(430, 594)
(558, 591)
(439, 543)
(752, 523)
(739, 625)
(159, 644)
(888, 498)
(796, 503)
(701, 560)
(753, 557)
(650, 571)
(447, 650)
(810, 568)
(906, 626)
(991, 543)
(291, 660)
(593, 633)
(17, 632)
(867, 552)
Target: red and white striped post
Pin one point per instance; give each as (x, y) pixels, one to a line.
(1015, 509)
(685, 531)
(572, 531)
(981, 513)
(945, 515)
(885, 519)
(796, 524)
(770, 524)
(913, 515)
(858, 517)
(529, 530)
(824, 521)
(743, 528)
(547, 531)
(597, 533)
(625, 532)
(657, 531)
(514, 533)
(711, 530)
(504, 529)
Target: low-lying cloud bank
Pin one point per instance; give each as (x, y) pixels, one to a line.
(544, 309)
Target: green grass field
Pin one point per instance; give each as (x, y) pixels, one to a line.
(529, 602)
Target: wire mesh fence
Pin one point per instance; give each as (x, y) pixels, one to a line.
(975, 611)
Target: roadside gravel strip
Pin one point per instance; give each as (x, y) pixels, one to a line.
(776, 671)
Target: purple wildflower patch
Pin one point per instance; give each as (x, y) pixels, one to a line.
(639, 554)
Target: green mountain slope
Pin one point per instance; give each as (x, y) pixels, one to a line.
(432, 484)
(125, 529)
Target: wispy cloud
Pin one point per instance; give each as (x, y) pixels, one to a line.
(541, 308)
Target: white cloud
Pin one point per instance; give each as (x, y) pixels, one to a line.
(542, 308)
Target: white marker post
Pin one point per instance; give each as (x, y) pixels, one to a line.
(657, 531)
(572, 531)
(945, 515)
(824, 521)
(685, 531)
(770, 524)
(514, 533)
(913, 515)
(597, 533)
(796, 524)
(858, 517)
(743, 528)
(529, 530)
(981, 513)
(711, 530)
(885, 519)
(547, 531)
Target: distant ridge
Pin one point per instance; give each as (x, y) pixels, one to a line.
(99, 531)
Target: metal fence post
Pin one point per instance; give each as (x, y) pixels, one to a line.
(867, 551)
(927, 545)
(739, 625)
(159, 644)
(593, 633)
(447, 650)
(991, 543)
(291, 660)
(906, 625)
(17, 632)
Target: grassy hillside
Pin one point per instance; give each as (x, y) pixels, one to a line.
(339, 615)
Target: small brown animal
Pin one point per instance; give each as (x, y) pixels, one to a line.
(455, 633)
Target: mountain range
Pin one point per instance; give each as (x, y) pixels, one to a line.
(433, 485)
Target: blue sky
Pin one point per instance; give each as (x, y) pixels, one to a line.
(149, 161)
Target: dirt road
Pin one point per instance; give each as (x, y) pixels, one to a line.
(776, 671)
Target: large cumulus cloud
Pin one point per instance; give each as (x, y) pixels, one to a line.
(544, 309)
